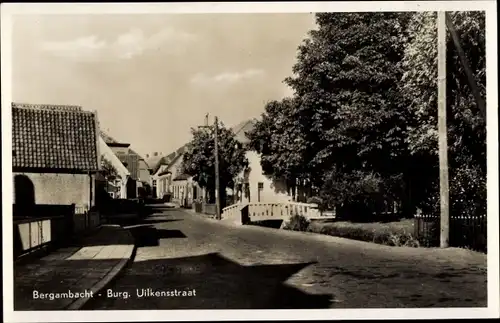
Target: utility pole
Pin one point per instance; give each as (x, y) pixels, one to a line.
(216, 155)
(442, 131)
(217, 184)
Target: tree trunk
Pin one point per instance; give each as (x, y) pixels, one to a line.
(223, 197)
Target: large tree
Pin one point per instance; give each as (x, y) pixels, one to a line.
(347, 105)
(199, 159)
(466, 126)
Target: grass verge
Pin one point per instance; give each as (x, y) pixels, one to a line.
(396, 233)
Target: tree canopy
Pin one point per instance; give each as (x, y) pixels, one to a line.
(107, 169)
(466, 126)
(199, 159)
(362, 123)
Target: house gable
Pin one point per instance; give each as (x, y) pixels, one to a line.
(54, 137)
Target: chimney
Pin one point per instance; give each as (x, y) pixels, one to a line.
(156, 154)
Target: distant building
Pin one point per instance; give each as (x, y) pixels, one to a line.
(55, 155)
(252, 185)
(139, 181)
(116, 186)
(168, 179)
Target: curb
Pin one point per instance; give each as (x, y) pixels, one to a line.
(108, 279)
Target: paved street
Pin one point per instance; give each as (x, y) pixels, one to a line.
(222, 267)
(81, 269)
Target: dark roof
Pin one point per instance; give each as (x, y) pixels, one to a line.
(241, 130)
(152, 161)
(170, 159)
(131, 158)
(131, 161)
(165, 172)
(56, 137)
(181, 177)
(179, 154)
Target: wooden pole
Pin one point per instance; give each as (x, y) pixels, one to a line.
(465, 64)
(442, 131)
(217, 184)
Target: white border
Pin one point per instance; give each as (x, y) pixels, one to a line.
(7, 10)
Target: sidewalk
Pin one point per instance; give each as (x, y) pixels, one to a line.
(69, 277)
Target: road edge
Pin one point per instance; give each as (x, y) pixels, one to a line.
(325, 238)
(109, 278)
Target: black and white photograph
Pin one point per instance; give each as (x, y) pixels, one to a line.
(256, 157)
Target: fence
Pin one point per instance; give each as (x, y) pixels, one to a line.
(31, 234)
(34, 229)
(204, 208)
(465, 231)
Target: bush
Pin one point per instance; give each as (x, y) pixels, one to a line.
(386, 237)
(297, 223)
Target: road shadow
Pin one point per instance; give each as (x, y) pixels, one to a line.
(274, 224)
(219, 283)
(130, 221)
(149, 236)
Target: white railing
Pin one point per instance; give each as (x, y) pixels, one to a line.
(232, 211)
(278, 211)
(258, 211)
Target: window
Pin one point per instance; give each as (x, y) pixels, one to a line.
(154, 183)
(260, 189)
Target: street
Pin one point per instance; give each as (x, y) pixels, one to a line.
(196, 263)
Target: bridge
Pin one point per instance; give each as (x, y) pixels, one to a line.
(243, 213)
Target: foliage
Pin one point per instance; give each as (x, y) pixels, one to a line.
(107, 169)
(199, 159)
(279, 138)
(466, 126)
(297, 223)
(361, 126)
(345, 116)
(384, 235)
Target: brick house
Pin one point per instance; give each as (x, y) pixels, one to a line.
(55, 155)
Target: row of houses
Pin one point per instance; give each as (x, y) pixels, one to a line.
(57, 156)
(167, 178)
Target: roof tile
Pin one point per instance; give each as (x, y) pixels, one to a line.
(54, 136)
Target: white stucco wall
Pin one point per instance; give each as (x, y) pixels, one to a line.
(162, 182)
(143, 171)
(122, 171)
(60, 189)
(271, 192)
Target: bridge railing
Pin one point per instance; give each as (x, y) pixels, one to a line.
(278, 211)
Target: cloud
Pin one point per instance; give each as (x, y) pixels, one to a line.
(128, 45)
(81, 48)
(226, 77)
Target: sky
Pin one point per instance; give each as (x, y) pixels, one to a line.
(153, 77)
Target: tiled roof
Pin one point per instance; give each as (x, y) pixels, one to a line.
(152, 161)
(107, 138)
(132, 164)
(241, 130)
(169, 159)
(54, 137)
